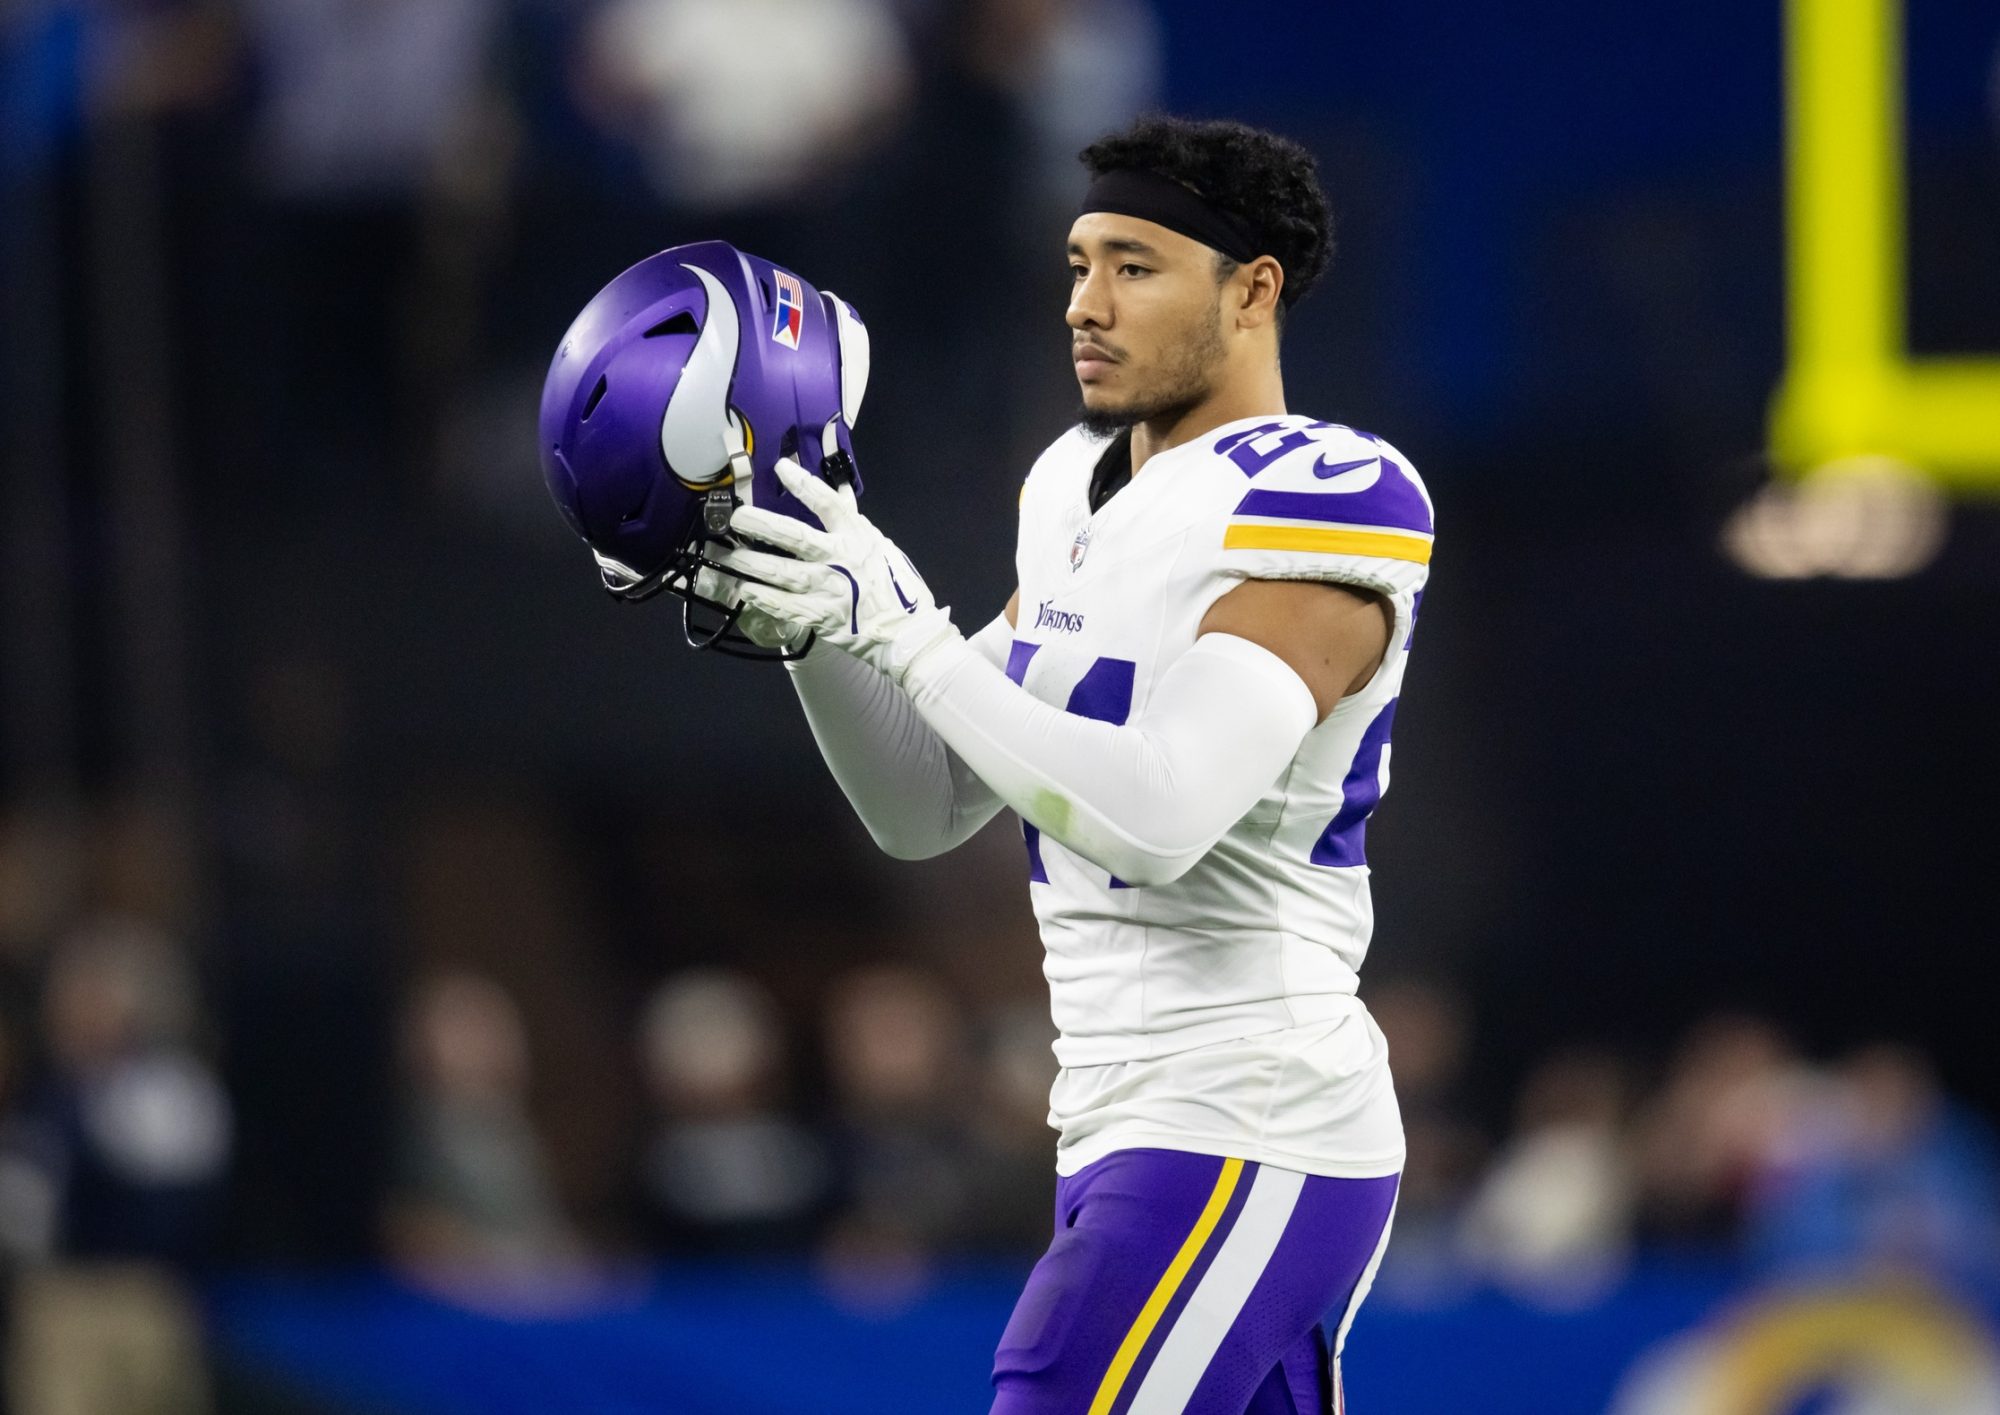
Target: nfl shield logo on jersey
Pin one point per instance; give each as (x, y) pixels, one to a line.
(790, 315)
(1078, 548)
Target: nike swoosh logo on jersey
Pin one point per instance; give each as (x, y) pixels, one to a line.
(1323, 469)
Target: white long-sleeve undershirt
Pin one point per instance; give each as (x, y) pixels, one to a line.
(1144, 799)
(926, 765)
(915, 796)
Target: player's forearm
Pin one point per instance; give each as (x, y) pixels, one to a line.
(914, 795)
(1145, 799)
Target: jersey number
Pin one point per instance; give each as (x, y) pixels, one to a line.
(1343, 842)
(1243, 448)
(1104, 694)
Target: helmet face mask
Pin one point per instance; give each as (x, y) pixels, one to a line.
(670, 401)
(715, 625)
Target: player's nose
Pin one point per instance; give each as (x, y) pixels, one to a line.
(1091, 304)
(1088, 306)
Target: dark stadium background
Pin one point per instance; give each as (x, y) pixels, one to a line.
(308, 690)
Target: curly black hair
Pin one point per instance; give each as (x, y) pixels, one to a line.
(1260, 177)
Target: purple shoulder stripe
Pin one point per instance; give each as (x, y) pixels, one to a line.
(1393, 502)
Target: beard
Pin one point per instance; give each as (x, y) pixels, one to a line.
(1185, 377)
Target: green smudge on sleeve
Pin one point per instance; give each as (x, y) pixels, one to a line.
(1051, 812)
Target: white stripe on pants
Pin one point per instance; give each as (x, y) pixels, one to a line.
(1354, 1303)
(1218, 1299)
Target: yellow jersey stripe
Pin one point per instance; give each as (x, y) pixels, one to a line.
(1243, 535)
(1163, 1291)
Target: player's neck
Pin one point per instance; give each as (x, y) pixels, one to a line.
(1262, 395)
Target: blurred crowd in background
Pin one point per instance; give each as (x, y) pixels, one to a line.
(283, 279)
(369, 890)
(882, 1119)
(473, 170)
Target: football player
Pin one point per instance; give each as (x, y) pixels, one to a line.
(1188, 702)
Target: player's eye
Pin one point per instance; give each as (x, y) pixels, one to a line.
(1077, 272)
(1130, 269)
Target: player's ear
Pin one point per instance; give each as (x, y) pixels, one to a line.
(1261, 282)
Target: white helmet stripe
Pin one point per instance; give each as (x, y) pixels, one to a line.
(853, 357)
(696, 433)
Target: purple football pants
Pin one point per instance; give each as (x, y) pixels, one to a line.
(1193, 1283)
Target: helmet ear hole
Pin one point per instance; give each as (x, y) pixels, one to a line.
(682, 323)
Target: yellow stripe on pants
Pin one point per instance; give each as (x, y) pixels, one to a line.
(1164, 1290)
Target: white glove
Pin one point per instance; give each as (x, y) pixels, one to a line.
(754, 624)
(849, 584)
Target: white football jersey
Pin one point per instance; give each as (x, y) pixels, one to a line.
(1218, 1012)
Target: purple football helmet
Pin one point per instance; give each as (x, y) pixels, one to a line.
(672, 397)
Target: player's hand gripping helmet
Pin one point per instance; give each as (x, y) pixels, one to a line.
(669, 402)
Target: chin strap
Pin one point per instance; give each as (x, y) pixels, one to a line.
(739, 487)
(836, 463)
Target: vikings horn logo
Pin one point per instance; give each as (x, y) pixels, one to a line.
(697, 436)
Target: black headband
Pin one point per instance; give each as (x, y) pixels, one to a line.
(1127, 191)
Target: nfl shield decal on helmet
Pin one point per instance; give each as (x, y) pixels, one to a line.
(791, 311)
(1078, 548)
